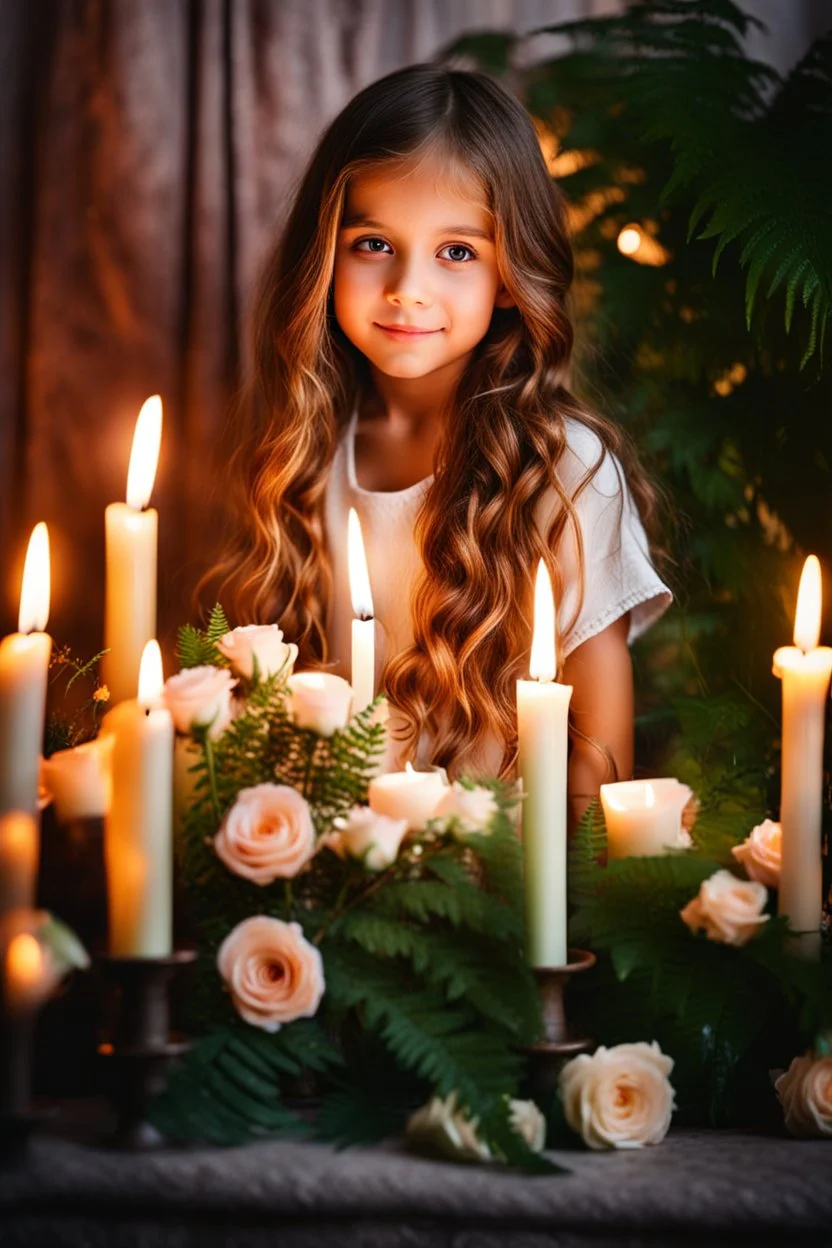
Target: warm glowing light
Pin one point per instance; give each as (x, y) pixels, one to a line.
(629, 240)
(145, 453)
(24, 963)
(360, 593)
(649, 796)
(808, 613)
(542, 665)
(34, 592)
(151, 676)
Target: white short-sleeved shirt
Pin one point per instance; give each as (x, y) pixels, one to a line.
(618, 574)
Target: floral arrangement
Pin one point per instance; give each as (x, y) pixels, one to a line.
(369, 965)
(695, 957)
(373, 967)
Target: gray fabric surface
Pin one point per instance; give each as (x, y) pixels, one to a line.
(714, 1187)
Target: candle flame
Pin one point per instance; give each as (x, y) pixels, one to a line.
(360, 593)
(151, 676)
(542, 666)
(24, 961)
(34, 592)
(649, 796)
(145, 453)
(409, 769)
(808, 613)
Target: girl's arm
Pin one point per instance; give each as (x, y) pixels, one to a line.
(601, 676)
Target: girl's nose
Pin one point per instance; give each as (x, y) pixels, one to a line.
(407, 288)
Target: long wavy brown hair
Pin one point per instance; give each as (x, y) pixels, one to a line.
(502, 438)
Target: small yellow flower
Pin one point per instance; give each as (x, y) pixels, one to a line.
(102, 694)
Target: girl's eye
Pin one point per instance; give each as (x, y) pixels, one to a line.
(375, 246)
(468, 253)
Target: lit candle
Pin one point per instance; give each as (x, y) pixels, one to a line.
(24, 667)
(138, 831)
(131, 530)
(25, 974)
(18, 861)
(411, 795)
(363, 626)
(804, 669)
(542, 725)
(644, 817)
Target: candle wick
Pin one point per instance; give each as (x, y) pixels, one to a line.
(365, 619)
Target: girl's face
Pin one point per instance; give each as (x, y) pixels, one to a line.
(416, 277)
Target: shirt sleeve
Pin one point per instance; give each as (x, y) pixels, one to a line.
(618, 574)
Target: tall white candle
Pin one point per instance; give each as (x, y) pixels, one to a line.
(644, 817)
(24, 667)
(19, 848)
(804, 669)
(542, 725)
(363, 626)
(138, 836)
(131, 533)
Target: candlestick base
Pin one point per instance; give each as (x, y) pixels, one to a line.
(558, 1042)
(142, 1046)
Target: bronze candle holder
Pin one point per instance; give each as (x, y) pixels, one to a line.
(559, 1042)
(142, 1046)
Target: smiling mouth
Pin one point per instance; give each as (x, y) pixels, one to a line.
(406, 331)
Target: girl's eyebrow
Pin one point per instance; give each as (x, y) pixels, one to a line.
(473, 231)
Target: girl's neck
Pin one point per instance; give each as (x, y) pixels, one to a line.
(411, 404)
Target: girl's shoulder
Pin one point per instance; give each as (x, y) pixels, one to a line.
(586, 456)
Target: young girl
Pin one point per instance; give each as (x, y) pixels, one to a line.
(412, 347)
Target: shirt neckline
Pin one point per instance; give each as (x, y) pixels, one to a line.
(353, 479)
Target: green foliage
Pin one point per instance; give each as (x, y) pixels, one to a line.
(197, 648)
(77, 720)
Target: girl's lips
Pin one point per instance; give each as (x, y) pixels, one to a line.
(404, 331)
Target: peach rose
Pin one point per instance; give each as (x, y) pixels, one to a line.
(373, 838)
(619, 1097)
(263, 642)
(470, 810)
(267, 833)
(805, 1092)
(440, 1127)
(320, 701)
(727, 909)
(200, 697)
(273, 973)
(760, 853)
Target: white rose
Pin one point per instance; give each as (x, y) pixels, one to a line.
(375, 838)
(619, 1097)
(200, 697)
(80, 779)
(439, 1127)
(727, 909)
(529, 1123)
(267, 833)
(760, 853)
(320, 701)
(263, 642)
(805, 1092)
(470, 809)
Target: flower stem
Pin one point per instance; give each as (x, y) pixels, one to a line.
(212, 775)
